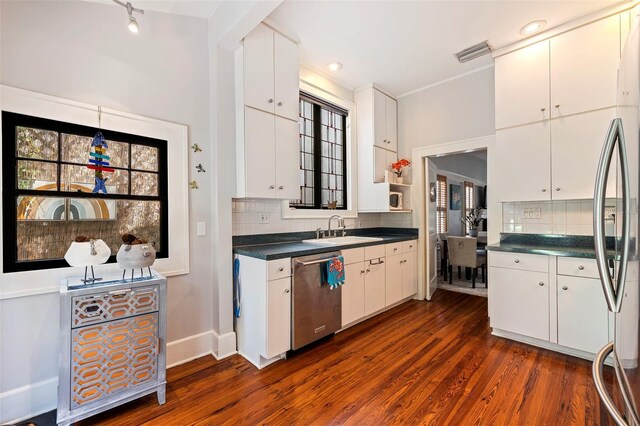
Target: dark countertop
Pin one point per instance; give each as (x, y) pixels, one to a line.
(279, 246)
(552, 245)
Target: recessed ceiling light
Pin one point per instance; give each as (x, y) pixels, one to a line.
(335, 66)
(532, 27)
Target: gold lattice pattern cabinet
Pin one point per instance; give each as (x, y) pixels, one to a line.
(113, 344)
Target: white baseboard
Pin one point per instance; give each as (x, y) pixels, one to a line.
(27, 401)
(187, 349)
(224, 345)
(36, 398)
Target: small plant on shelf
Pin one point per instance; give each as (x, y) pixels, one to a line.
(398, 167)
(473, 220)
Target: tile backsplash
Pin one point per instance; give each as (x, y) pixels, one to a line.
(555, 217)
(247, 214)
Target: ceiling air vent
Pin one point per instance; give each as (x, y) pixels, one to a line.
(474, 51)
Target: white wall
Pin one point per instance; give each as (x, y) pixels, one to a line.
(83, 51)
(455, 110)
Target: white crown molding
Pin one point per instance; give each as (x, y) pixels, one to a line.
(446, 80)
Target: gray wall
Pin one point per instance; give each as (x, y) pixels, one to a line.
(459, 109)
(83, 51)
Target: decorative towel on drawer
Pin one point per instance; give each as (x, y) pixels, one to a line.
(334, 271)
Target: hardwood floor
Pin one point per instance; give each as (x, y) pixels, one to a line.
(420, 363)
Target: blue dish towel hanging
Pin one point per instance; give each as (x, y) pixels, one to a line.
(334, 272)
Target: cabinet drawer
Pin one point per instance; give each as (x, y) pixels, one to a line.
(393, 249)
(280, 268)
(578, 267)
(409, 246)
(523, 261)
(101, 307)
(374, 252)
(353, 255)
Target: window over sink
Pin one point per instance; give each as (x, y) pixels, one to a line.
(323, 154)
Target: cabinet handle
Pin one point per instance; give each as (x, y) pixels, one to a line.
(543, 109)
(558, 189)
(272, 186)
(281, 269)
(286, 290)
(541, 284)
(517, 260)
(279, 103)
(581, 267)
(362, 272)
(270, 101)
(557, 105)
(395, 249)
(544, 189)
(281, 187)
(564, 287)
(368, 270)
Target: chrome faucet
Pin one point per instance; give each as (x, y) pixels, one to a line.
(340, 225)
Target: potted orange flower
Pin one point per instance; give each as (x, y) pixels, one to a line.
(398, 167)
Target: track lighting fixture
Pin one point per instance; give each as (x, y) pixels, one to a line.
(133, 24)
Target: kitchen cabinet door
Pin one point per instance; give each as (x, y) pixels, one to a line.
(353, 293)
(583, 318)
(410, 274)
(520, 302)
(380, 119)
(287, 159)
(584, 67)
(374, 287)
(383, 159)
(522, 163)
(260, 154)
(287, 80)
(576, 144)
(394, 280)
(258, 69)
(278, 336)
(522, 86)
(391, 123)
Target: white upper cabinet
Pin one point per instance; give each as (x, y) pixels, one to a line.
(385, 121)
(584, 64)
(287, 86)
(287, 153)
(576, 142)
(521, 164)
(522, 86)
(258, 52)
(267, 102)
(391, 114)
(259, 154)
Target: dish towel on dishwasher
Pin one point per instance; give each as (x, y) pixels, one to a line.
(334, 271)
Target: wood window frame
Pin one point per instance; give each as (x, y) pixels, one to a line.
(442, 207)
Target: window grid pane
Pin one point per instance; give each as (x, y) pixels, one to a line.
(441, 204)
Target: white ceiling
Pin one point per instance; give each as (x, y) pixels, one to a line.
(196, 8)
(406, 45)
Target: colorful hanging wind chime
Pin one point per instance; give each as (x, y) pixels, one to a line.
(99, 161)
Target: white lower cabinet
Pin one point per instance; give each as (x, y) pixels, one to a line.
(395, 267)
(583, 316)
(278, 330)
(520, 302)
(374, 286)
(353, 293)
(557, 300)
(410, 274)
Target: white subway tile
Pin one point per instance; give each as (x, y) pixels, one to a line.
(573, 207)
(559, 229)
(574, 229)
(508, 208)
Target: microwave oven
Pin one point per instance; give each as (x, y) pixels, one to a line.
(395, 200)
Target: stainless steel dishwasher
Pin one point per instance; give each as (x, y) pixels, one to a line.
(316, 309)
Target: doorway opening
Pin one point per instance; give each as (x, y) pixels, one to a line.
(460, 210)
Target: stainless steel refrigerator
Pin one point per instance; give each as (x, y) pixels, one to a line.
(617, 246)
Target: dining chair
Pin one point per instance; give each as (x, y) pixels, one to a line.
(463, 252)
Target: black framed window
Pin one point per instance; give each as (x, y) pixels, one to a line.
(48, 197)
(323, 155)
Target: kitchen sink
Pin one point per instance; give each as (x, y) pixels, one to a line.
(341, 241)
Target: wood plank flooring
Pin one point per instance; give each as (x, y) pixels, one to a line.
(420, 363)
